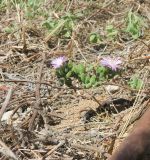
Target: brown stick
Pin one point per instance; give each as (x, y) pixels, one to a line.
(6, 151)
(135, 145)
(6, 102)
(37, 95)
(48, 83)
(53, 149)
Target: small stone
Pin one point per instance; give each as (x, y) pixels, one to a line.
(6, 116)
(94, 132)
(112, 88)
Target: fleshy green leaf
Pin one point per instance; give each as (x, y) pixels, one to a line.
(135, 82)
(87, 79)
(88, 85)
(82, 77)
(68, 75)
(93, 80)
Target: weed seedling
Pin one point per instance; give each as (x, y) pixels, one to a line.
(94, 38)
(88, 75)
(66, 24)
(111, 32)
(135, 82)
(134, 25)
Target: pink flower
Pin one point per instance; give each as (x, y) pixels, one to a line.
(58, 62)
(112, 63)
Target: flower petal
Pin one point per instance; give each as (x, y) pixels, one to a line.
(58, 62)
(112, 63)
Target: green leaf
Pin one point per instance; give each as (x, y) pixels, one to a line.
(111, 31)
(88, 85)
(93, 80)
(82, 77)
(134, 25)
(69, 74)
(97, 84)
(58, 72)
(68, 82)
(75, 69)
(67, 34)
(66, 69)
(78, 69)
(101, 71)
(135, 82)
(89, 68)
(94, 38)
(87, 79)
(81, 68)
(8, 29)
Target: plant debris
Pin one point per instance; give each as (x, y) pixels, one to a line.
(51, 109)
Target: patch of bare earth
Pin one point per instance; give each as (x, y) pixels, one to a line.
(41, 119)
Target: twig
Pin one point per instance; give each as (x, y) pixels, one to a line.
(37, 95)
(141, 58)
(75, 42)
(48, 83)
(61, 24)
(6, 151)
(24, 39)
(25, 81)
(54, 149)
(6, 102)
(139, 97)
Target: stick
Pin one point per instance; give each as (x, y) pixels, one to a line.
(54, 149)
(6, 102)
(37, 95)
(6, 151)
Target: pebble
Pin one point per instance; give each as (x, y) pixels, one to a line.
(112, 88)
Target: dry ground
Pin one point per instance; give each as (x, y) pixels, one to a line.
(50, 121)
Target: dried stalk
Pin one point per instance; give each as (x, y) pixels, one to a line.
(37, 94)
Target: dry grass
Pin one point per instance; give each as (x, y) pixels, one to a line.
(49, 121)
